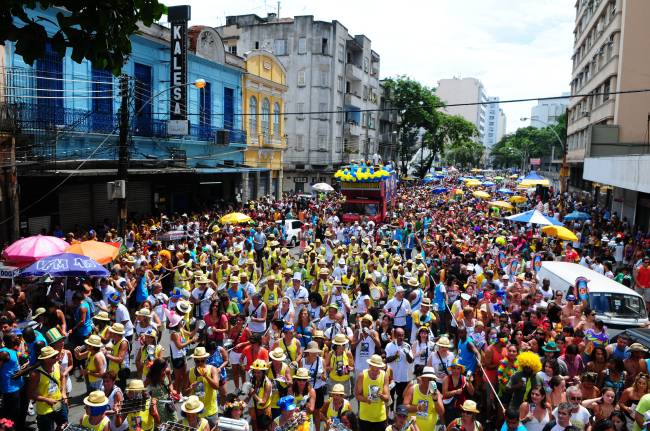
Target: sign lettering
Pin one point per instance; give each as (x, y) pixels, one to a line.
(178, 17)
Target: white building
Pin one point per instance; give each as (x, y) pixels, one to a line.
(465, 90)
(547, 112)
(495, 123)
(328, 69)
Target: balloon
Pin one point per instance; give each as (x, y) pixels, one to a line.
(501, 240)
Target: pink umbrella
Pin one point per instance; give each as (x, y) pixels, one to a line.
(29, 250)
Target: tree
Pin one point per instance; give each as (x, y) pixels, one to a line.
(98, 31)
(464, 153)
(514, 149)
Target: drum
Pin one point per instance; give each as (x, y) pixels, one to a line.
(376, 292)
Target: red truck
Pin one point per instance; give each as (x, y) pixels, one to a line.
(373, 200)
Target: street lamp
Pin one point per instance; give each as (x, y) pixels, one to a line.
(563, 168)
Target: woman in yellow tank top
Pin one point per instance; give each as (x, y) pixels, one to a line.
(340, 363)
(204, 382)
(424, 401)
(191, 409)
(95, 419)
(302, 389)
(280, 375)
(149, 351)
(260, 394)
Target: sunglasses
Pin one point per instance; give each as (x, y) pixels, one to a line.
(575, 398)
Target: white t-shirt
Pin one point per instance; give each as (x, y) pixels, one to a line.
(399, 366)
(157, 300)
(436, 360)
(361, 304)
(400, 311)
(580, 419)
(316, 370)
(122, 316)
(205, 296)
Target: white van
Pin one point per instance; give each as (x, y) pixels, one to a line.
(616, 305)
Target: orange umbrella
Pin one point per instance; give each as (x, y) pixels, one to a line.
(101, 252)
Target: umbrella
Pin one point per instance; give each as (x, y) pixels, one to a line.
(532, 175)
(234, 218)
(501, 204)
(472, 183)
(518, 199)
(498, 178)
(322, 187)
(534, 217)
(481, 194)
(458, 192)
(532, 183)
(505, 191)
(30, 249)
(65, 265)
(488, 183)
(438, 190)
(577, 215)
(560, 232)
(514, 176)
(101, 252)
(475, 170)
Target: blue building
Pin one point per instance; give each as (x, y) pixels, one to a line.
(65, 116)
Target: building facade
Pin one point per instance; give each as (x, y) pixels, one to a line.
(547, 112)
(332, 77)
(65, 116)
(608, 133)
(264, 90)
(466, 90)
(495, 123)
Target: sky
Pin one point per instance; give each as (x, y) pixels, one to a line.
(517, 48)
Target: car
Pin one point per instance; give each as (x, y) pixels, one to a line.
(636, 335)
(292, 230)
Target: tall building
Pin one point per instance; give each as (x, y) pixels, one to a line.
(547, 112)
(502, 125)
(493, 123)
(328, 70)
(465, 90)
(608, 133)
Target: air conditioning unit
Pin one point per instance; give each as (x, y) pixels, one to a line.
(116, 190)
(222, 137)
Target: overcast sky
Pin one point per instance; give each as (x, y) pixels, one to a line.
(517, 48)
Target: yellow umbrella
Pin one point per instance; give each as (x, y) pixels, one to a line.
(501, 204)
(524, 186)
(481, 194)
(560, 232)
(476, 170)
(458, 192)
(472, 183)
(234, 218)
(518, 199)
(532, 183)
(514, 176)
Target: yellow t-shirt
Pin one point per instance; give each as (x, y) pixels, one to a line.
(427, 416)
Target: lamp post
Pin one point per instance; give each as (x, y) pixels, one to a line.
(123, 147)
(563, 167)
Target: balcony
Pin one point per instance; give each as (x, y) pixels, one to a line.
(353, 99)
(353, 72)
(352, 129)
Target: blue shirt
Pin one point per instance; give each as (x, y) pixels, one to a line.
(7, 384)
(504, 427)
(466, 357)
(141, 290)
(86, 328)
(31, 347)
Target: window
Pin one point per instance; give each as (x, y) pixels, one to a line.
(341, 53)
(252, 117)
(365, 92)
(302, 45)
(266, 117)
(365, 64)
(339, 144)
(339, 114)
(299, 143)
(256, 45)
(364, 119)
(102, 117)
(341, 84)
(325, 49)
(228, 108)
(143, 88)
(276, 120)
(232, 49)
(606, 89)
(324, 78)
(205, 111)
(322, 142)
(322, 111)
(301, 78)
(300, 109)
(371, 121)
(280, 47)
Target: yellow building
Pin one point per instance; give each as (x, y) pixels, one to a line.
(264, 89)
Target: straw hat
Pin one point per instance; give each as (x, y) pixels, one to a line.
(117, 328)
(134, 385)
(102, 315)
(94, 341)
(338, 389)
(637, 347)
(302, 374)
(427, 373)
(443, 342)
(413, 282)
(233, 279)
(192, 405)
(47, 352)
(183, 306)
(277, 354)
(200, 353)
(340, 340)
(469, 406)
(375, 361)
(260, 365)
(96, 399)
(421, 267)
(38, 312)
(367, 318)
(202, 280)
(53, 336)
(318, 334)
(323, 271)
(312, 347)
(426, 302)
(143, 312)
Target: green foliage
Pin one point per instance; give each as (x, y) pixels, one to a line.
(98, 31)
(516, 148)
(464, 153)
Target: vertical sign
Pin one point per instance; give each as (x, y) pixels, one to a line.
(178, 18)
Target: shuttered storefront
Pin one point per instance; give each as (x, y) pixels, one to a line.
(139, 198)
(75, 206)
(103, 209)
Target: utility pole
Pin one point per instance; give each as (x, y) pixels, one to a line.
(123, 153)
(13, 192)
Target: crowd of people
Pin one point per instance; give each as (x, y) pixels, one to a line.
(409, 324)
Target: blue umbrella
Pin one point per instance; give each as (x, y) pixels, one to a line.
(65, 265)
(438, 190)
(506, 191)
(577, 215)
(488, 183)
(532, 175)
(534, 217)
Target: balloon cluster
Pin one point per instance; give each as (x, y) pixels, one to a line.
(364, 174)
